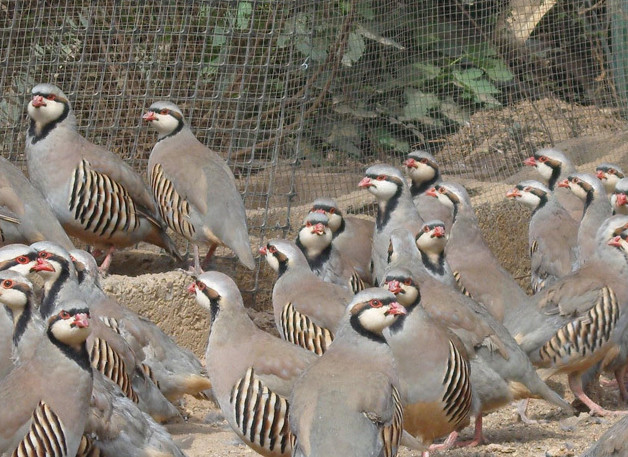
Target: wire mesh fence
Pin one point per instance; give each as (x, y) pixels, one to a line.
(299, 96)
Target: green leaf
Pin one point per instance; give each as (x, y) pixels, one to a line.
(354, 50)
(386, 139)
(482, 86)
(419, 105)
(427, 70)
(244, 14)
(498, 71)
(465, 77)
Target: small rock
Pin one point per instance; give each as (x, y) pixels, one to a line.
(569, 424)
(493, 447)
(559, 451)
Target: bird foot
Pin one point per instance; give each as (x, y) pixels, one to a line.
(447, 444)
(599, 411)
(473, 443)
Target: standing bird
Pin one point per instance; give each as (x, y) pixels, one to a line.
(552, 234)
(25, 216)
(315, 239)
(609, 174)
(597, 208)
(194, 188)
(45, 399)
(95, 195)
(252, 372)
(424, 174)
(554, 166)
(353, 236)
(307, 309)
(347, 402)
(395, 209)
(619, 197)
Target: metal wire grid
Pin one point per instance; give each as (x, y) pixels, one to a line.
(300, 96)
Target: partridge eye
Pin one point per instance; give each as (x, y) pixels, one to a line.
(272, 249)
(22, 259)
(610, 171)
(44, 254)
(7, 283)
(407, 281)
(426, 229)
(64, 315)
(423, 160)
(50, 97)
(163, 111)
(527, 189)
(200, 285)
(376, 303)
(441, 190)
(576, 180)
(308, 224)
(333, 210)
(381, 177)
(542, 159)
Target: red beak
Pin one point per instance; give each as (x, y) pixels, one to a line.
(319, 229)
(410, 163)
(394, 286)
(263, 250)
(513, 193)
(564, 183)
(432, 192)
(621, 199)
(396, 309)
(320, 210)
(530, 161)
(42, 265)
(615, 241)
(439, 231)
(149, 116)
(192, 288)
(600, 174)
(38, 101)
(366, 182)
(81, 320)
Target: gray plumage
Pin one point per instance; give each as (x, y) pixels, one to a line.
(353, 236)
(597, 208)
(347, 402)
(552, 234)
(395, 209)
(175, 370)
(252, 372)
(609, 174)
(315, 239)
(25, 216)
(194, 188)
(554, 166)
(307, 309)
(580, 319)
(52, 388)
(424, 173)
(619, 197)
(613, 443)
(95, 195)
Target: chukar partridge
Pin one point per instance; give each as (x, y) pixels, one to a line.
(109, 352)
(579, 320)
(45, 399)
(552, 234)
(195, 189)
(307, 309)
(353, 236)
(554, 166)
(252, 372)
(424, 174)
(315, 241)
(432, 364)
(466, 248)
(175, 370)
(609, 174)
(619, 197)
(431, 241)
(597, 208)
(95, 195)
(501, 372)
(25, 216)
(347, 402)
(18, 257)
(394, 209)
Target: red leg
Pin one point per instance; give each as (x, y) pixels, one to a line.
(209, 254)
(106, 263)
(447, 444)
(575, 384)
(478, 437)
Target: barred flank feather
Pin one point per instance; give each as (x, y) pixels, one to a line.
(110, 364)
(391, 434)
(173, 209)
(461, 286)
(299, 329)
(100, 204)
(582, 336)
(45, 438)
(260, 414)
(457, 382)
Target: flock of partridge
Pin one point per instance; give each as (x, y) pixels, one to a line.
(397, 331)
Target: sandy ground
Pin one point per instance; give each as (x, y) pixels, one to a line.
(206, 433)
